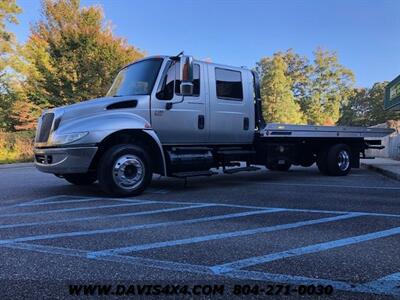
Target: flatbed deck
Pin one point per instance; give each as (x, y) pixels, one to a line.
(313, 131)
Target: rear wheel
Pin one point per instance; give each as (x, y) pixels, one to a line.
(81, 178)
(124, 170)
(339, 163)
(335, 161)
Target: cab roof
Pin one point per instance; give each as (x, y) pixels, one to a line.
(196, 60)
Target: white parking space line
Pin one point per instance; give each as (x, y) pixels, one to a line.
(35, 201)
(137, 226)
(321, 211)
(218, 236)
(221, 204)
(331, 186)
(251, 261)
(104, 217)
(157, 191)
(369, 288)
(387, 285)
(74, 209)
(62, 202)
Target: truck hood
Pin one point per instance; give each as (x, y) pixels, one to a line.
(94, 106)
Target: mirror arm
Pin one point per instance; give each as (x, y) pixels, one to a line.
(169, 105)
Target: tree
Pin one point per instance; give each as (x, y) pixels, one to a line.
(72, 55)
(365, 107)
(321, 88)
(298, 70)
(330, 88)
(25, 115)
(8, 12)
(278, 102)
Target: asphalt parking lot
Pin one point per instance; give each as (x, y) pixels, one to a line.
(294, 228)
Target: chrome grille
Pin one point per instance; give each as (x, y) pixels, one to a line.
(45, 127)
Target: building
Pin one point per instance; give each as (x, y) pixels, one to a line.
(392, 94)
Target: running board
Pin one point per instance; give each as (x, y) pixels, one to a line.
(236, 170)
(193, 174)
(378, 147)
(236, 152)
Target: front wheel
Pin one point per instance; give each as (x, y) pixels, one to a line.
(124, 170)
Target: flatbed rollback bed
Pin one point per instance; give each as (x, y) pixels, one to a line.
(287, 144)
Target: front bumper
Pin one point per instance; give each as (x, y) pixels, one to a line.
(64, 160)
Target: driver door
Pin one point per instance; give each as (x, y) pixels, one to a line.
(186, 122)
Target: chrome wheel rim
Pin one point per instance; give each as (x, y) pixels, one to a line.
(128, 172)
(343, 160)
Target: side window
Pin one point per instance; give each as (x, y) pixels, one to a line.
(196, 80)
(171, 84)
(229, 84)
(166, 89)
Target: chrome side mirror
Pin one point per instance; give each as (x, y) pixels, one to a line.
(186, 75)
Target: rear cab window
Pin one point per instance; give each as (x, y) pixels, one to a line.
(229, 84)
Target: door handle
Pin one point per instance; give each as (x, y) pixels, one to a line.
(200, 122)
(246, 123)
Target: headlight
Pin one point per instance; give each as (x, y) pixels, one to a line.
(68, 138)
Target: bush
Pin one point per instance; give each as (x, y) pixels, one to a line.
(16, 146)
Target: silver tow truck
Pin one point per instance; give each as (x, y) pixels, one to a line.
(179, 117)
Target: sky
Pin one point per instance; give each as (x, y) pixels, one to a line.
(364, 33)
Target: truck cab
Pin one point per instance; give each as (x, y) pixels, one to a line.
(176, 116)
(219, 115)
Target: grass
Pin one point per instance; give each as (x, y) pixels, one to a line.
(16, 147)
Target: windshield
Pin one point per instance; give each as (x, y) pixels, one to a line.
(136, 79)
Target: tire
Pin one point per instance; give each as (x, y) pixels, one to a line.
(339, 160)
(124, 170)
(81, 178)
(274, 166)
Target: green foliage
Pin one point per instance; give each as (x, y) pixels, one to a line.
(8, 11)
(320, 88)
(16, 146)
(279, 104)
(7, 100)
(72, 55)
(365, 107)
(298, 70)
(330, 88)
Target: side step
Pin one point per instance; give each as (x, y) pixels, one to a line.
(193, 174)
(378, 147)
(236, 170)
(236, 152)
